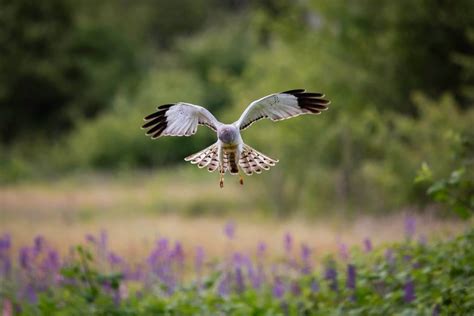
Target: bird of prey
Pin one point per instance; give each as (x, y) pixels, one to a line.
(229, 152)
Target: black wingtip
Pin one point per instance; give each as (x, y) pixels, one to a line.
(156, 122)
(312, 101)
(294, 91)
(166, 106)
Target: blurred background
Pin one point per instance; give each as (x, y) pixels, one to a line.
(77, 77)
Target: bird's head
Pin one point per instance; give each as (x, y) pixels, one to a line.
(228, 134)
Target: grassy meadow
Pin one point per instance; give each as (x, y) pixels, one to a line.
(185, 205)
(105, 245)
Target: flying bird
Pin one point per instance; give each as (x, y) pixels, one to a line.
(229, 152)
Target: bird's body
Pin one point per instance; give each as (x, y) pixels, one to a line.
(229, 146)
(230, 153)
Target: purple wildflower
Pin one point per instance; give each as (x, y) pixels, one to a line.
(278, 288)
(53, 258)
(237, 259)
(5, 243)
(367, 245)
(223, 288)
(306, 258)
(351, 277)
(159, 252)
(199, 261)
(305, 252)
(256, 277)
(90, 238)
(5, 261)
(261, 249)
(38, 244)
(30, 294)
(178, 254)
(24, 258)
(51, 262)
(239, 280)
(409, 291)
(330, 275)
(288, 242)
(168, 281)
(134, 274)
(343, 251)
(162, 244)
(160, 264)
(314, 285)
(241, 261)
(229, 230)
(103, 242)
(410, 227)
(114, 259)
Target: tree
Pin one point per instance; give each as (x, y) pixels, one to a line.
(53, 67)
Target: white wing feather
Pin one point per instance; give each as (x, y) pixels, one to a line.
(179, 119)
(280, 106)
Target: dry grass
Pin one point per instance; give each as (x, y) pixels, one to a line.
(64, 211)
(134, 237)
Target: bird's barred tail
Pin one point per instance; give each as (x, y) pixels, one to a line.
(230, 163)
(253, 161)
(207, 157)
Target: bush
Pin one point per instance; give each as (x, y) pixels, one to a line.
(456, 190)
(406, 278)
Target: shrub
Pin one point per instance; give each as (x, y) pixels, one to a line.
(407, 278)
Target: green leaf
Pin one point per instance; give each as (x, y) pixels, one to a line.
(424, 174)
(456, 176)
(438, 186)
(462, 211)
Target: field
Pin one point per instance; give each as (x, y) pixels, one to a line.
(137, 256)
(137, 211)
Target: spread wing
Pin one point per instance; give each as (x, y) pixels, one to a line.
(178, 119)
(281, 106)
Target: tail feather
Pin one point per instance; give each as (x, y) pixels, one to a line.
(253, 161)
(205, 158)
(260, 161)
(245, 164)
(233, 167)
(229, 164)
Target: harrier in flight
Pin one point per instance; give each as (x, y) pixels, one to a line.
(229, 152)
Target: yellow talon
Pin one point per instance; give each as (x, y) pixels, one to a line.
(241, 180)
(221, 179)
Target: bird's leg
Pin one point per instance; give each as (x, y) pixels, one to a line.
(221, 178)
(241, 179)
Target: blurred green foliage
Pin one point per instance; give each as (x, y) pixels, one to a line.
(457, 189)
(76, 78)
